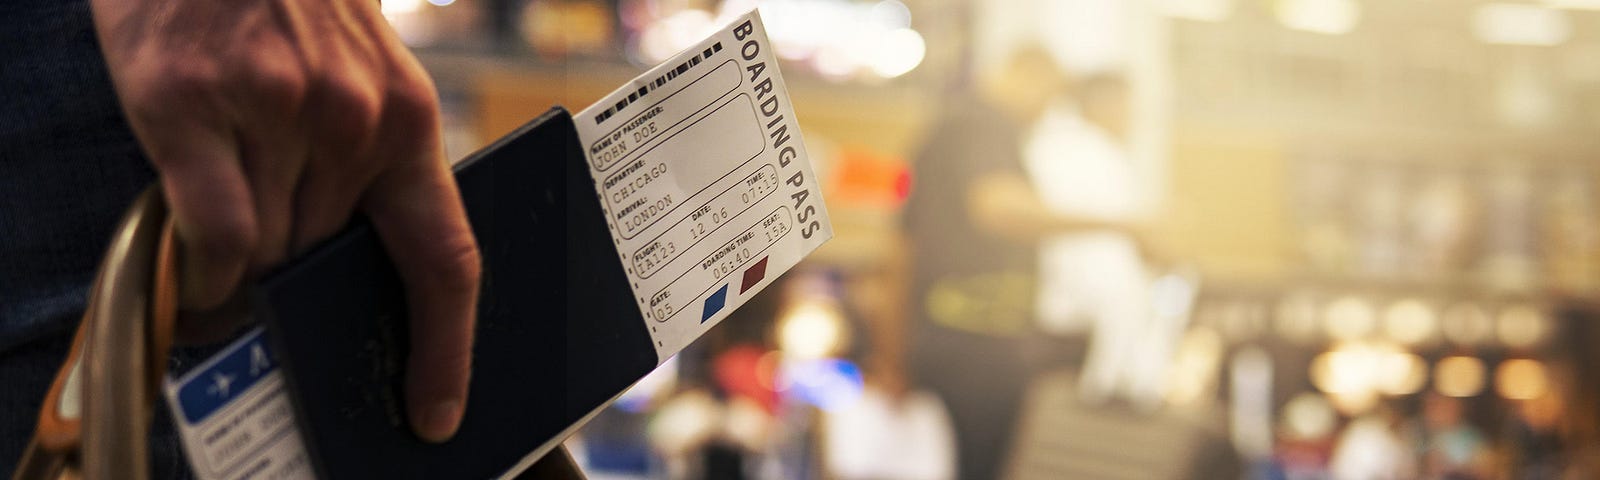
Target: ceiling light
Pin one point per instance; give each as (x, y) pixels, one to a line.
(1520, 24)
(1330, 17)
(1574, 4)
(1202, 10)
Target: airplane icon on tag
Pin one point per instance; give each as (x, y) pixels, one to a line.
(220, 383)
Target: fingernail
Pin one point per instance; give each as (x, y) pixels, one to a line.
(440, 421)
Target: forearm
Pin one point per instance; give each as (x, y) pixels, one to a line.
(1008, 205)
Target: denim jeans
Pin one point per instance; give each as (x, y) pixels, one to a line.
(68, 167)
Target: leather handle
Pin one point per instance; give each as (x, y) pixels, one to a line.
(96, 415)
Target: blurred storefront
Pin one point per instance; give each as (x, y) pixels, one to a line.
(1356, 237)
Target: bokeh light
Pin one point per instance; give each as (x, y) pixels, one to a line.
(1521, 326)
(1349, 318)
(1410, 321)
(811, 330)
(1521, 379)
(1459, 376)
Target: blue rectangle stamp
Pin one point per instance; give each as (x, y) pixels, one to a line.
(714, 303)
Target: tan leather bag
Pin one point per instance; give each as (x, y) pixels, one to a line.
(95, 420)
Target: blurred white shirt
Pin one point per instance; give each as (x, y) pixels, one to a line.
(1097, 281)
(1078, 169)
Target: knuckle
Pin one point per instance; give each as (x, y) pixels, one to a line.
(192, 77)
(275, 83)
(171, 83)
(229, 238)
(351, 104)
(412, 105)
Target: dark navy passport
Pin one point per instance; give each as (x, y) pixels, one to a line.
(558, 334)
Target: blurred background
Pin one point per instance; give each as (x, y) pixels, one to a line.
(1297, 239)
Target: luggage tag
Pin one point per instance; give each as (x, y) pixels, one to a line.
(234, 416)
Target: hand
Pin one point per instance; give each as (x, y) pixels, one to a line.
(270, 123)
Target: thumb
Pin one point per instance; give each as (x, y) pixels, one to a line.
(418, 215)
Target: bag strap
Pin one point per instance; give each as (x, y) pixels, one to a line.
(96, 417)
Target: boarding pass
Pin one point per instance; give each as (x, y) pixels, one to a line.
(705, 181)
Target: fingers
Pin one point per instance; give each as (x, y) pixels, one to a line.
(346, 109)
(273, 167)
(228, 160)
(418, 214)
(272, 145)
(210, 199)
(171, 108)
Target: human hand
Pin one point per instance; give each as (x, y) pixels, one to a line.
(270, 122)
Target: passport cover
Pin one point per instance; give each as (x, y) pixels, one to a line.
(558, 334)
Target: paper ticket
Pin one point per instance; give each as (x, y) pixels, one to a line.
(704, 180)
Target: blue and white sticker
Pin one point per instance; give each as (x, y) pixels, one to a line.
(234, 416)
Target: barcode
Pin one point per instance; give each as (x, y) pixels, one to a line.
(658, 82)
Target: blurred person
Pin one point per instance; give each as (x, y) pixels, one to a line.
(682, 428)
(972, 284)
(973, 220)
(724, 421)
(890, 431)
(1303, 440)
(887, 437)
(1078, 160)
(1371, 448)
(1537, 442)
(267, 125)
(708, 432)
(1452, 449)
